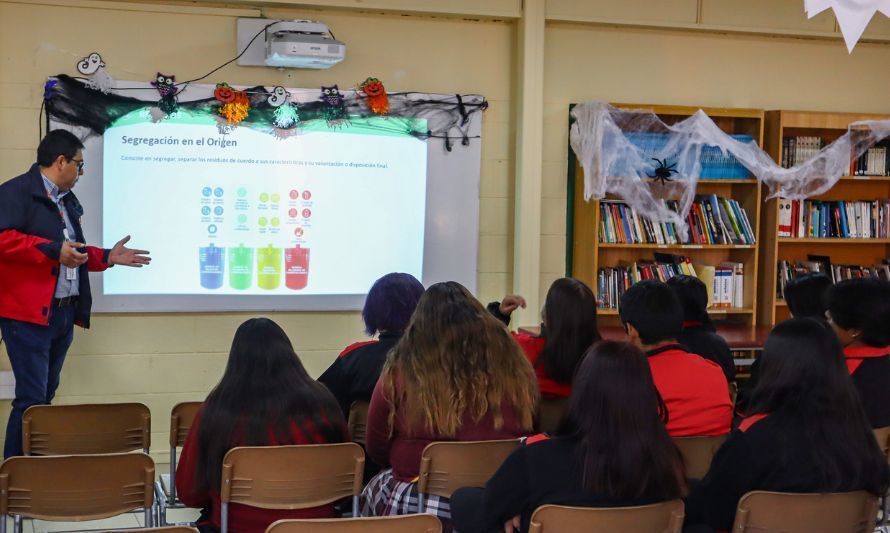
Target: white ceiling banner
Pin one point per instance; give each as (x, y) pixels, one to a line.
(853, 16)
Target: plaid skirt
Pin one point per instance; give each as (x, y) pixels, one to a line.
(384, 495)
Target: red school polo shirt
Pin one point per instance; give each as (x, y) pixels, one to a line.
(694, 390)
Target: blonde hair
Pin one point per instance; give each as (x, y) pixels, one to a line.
(455, 358)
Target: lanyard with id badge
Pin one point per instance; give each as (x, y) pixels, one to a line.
(70, 273)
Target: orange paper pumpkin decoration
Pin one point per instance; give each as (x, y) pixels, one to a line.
(378, 101)
(224, 93)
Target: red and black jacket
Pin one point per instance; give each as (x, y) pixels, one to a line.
(869, 367)
(694, 391)
(353, 375)
(31, 236)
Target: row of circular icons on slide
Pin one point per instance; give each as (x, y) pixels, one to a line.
(264, 197)
(270, 263)
(242, 219)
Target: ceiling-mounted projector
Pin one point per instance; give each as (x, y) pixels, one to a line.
(302, 44)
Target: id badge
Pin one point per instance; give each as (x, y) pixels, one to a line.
(70, 273)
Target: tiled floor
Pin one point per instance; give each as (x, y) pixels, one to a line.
(126, 521)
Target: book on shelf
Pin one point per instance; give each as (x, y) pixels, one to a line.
(871, 163)
(711, 219)
(796, 150)
(844, 219)
(724, 282)
(788, 270)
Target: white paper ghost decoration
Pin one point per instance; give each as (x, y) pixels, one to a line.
(93, 66)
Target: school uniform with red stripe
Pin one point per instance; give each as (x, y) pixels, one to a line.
(694, 390)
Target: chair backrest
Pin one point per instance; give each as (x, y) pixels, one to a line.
(73, 488)
(358, 421)
(841, 512)
(86, 428)
(181, 418)
(883, 436)
(292, 477)
(550, 413)
(168, 529)
(664, 517)
(697, 453)
(411, 523)
(448, 466)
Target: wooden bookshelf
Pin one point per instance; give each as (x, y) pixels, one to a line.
(586, 255)
(828, 126)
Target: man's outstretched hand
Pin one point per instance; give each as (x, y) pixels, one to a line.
(121, 255)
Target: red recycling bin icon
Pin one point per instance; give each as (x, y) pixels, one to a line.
(296, 268)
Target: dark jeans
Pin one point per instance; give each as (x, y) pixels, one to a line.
(36, 354)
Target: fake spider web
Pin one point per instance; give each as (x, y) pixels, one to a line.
(635, 156)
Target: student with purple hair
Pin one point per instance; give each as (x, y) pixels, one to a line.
(387, 311)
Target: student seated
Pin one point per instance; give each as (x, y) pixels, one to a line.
(568, 329)
(694, 389)
(388, 307)
(805, 295)
(699, 334)
(806, 298)
(859, 312)
(589, 464)
(806, 430)
(455, 375)
(265, 398)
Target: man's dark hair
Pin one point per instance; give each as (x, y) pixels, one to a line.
(653, 309)
(693, 295)
(805, 295)
(57, 143)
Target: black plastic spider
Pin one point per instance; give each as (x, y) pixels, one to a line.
(663, 171)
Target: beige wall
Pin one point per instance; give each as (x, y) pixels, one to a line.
(165, 358)
(161, 359)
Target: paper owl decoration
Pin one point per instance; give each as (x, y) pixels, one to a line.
(166, 86)
(376, 97)
(334, 109)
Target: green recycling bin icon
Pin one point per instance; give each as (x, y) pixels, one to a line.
(240, 267)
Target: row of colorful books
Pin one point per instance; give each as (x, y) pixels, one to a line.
(796, 150)
(788, 270)
(846, 219)
(712, 220)
(725, 282)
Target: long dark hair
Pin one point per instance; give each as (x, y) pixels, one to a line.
(615, 413)
(570, 328)
(456, 358)
(804, 380)
(862, 304)
(263, 393)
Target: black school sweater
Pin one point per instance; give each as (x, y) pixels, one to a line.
(764, 453)
(547, 471)
(352, 376)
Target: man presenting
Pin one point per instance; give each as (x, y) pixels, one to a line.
(44, 265)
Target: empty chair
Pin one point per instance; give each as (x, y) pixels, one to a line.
(291, 477)
(698, 452)
(86, 429)
(358, 421)
(840, 512)
(412, 523)
(448, 466)
(664, 517)
(180, 422)
(74, 488)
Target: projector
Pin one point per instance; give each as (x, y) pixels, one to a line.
(302, 44)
